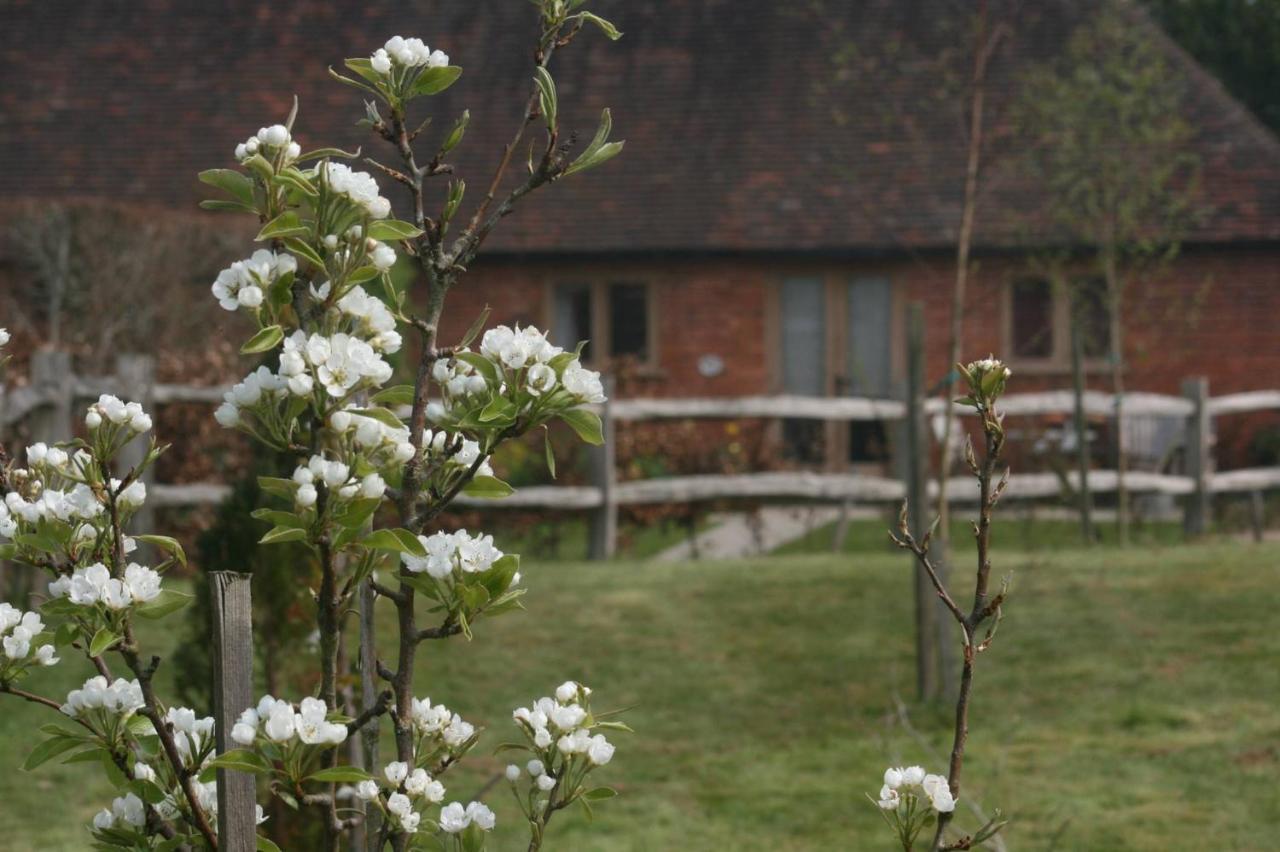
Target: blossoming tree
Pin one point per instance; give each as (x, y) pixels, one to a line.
(911, 800)
(368, 484)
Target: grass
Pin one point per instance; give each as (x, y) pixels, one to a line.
(1129, 703)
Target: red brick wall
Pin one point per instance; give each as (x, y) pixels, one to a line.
(702, 307)
(1212, 313)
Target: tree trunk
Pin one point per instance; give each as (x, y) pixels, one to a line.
(1114, 306)
(1085, 496)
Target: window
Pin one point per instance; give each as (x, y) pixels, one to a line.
(1040, 318)
(1032, 317)
(1091, 314)
(613, 317)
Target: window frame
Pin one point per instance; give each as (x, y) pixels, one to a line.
(598, 285)
(1059, 359)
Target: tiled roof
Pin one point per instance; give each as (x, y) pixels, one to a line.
(740, 134)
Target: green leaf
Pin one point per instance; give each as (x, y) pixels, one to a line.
(476, 327)
(364, 68)
(48, 750)
(358, 512)
(382, 415)
(615, 726)
(238, 760)
(363, 274)
(102, 640)
(260, 166)
(421, 583)
(397, 395)
(392, 229)
(434, 81)
(322, 153)
(294, 179)
(265, 845)
(586, 424)
(600, 793)
(287, 224)
(229, 206)
(488, 488)
(362, 86)
(497, 579)
(280, 535)
(304, 250)
(236, 184)
(481, 364)
(456, 133)
(607, 27)
(277, 486)
(165, 543)
(498, 408)
(546, 95)
(169, 600)
(340, 775)
(395, 541)
(550, 453)
(264, 341)
(278, 518)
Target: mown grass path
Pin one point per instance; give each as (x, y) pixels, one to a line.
(1131, 702)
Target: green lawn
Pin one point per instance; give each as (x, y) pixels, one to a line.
(1131, 701)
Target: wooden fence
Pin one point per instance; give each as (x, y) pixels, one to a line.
(50, 403)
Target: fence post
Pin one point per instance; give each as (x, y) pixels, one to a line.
(51, 375)
(912, 464)
(232, 693)
(1195, 520)
(604, 520)
(135, 379)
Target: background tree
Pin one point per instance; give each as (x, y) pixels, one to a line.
(1107, 138)
(1238, 40)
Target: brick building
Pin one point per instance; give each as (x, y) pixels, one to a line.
(774, 210)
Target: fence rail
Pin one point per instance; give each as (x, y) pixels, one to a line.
(54, 392)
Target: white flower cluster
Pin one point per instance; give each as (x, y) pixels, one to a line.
(517, 348)
(244, 284)
(267, 141)
(120, 698)
(455, 819)
(19, 629)
(371, 318)
(380, 255)
(115, 411)
(454, 451)
(93, 584)
(418, 787)
(78, 503)
(260, 385)
(127, 809)
(561, 720)
(192, 734)
(457, 378)
(281, 723)
(342, 362)
(902, 782)
(407, 52)
(990, 364)
(438, 722)
(448, 553)
(381, 444)
(359, 187)
(526, 357)
(336, 476)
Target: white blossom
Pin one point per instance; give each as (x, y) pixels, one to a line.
(359, 187)
(244, 283)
